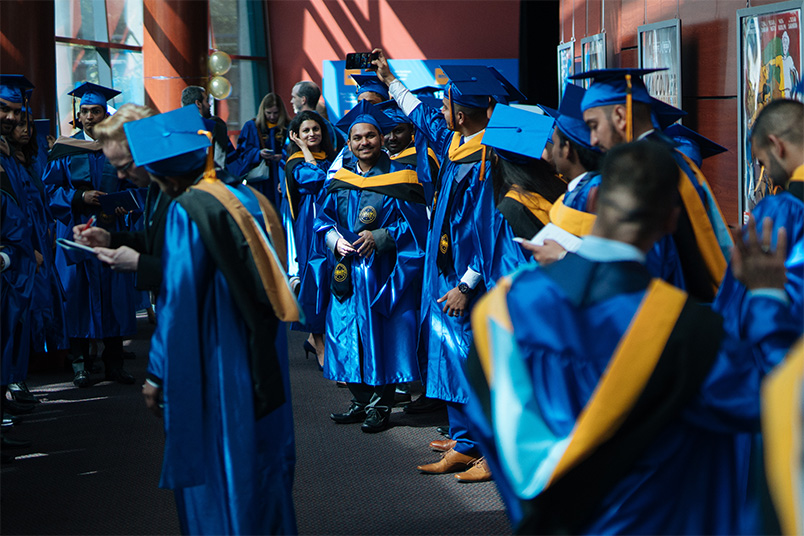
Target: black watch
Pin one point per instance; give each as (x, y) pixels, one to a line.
(464, 288)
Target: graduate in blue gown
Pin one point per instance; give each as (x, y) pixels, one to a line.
(218, 361)
(305, 173)
(258, 158)
(373, 220)
(617, 114)
(615, 399)
(101, 303)
(453, 277)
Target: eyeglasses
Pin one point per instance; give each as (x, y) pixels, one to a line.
(124, 167)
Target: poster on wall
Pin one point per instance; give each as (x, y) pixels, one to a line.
(593, 54)
(566, 64)
(660, 47)
(771, 47)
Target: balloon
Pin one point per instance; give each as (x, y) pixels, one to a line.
(219, 63)
(219, 87)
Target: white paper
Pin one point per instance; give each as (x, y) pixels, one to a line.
(63, 242)
(565, 239)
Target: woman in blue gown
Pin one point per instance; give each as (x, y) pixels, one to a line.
(311, 154)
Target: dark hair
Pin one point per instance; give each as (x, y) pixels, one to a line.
(640, 182)
(191, 94)
(476, 115)
(309, 91)
(783, 118)
(589, 159)
(326, 140)
(534, 175)
(31, 149)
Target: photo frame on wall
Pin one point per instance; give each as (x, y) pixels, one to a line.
(566, 65)
(771, 47)
(593, 54)
(660, 47)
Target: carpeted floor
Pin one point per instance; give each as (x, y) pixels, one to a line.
(97, 453)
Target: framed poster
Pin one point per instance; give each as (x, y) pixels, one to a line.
(566, 64)
(660, 46)
(770, 47)
(593, 54)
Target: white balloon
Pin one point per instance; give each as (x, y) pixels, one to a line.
(219, 63)
(219, 87)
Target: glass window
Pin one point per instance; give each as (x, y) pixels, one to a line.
(238, 27)
(81, 19)
(125, 22)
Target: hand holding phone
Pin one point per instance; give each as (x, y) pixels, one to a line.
(360, 60)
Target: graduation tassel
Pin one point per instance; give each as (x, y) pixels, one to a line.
(629, 110)
(209, 169)
(483, 165)
(451, 108)
(75, 116)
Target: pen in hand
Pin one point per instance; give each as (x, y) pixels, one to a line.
(89, 223)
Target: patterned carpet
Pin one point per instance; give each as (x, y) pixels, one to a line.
(96, 458)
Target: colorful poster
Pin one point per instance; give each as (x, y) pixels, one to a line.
(660, 47)
(566, 64)
(593, 54)
(770, 69)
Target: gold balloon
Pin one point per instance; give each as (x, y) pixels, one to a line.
(219, 63)
(219, 87)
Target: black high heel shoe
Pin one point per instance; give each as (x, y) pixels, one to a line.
(308, 349)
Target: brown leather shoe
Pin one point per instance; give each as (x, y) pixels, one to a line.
(479, 472)
(443, 445)
(451, 461)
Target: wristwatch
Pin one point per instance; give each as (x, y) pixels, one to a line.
(464, 288)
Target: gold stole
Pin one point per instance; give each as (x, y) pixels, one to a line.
(798, 174)
(271, 268)
(535, 203)
(405, 176)
(702, 228)
(458, 152)
(298, 154)
(781, 435)
(571, 220)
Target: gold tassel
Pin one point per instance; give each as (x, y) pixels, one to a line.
(209, 169)
(629, 110)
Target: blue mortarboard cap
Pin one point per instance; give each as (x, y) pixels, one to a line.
(472, 85)
(665, 114)
(392, 110)
(609, 87)
(692, 144)
(168, 144)
(514, 95)
(370, 82)
(428, 96)
(570, 117)
(518, 132)
(365, 112)
(13, 87)
(552, 112)
(93, 94)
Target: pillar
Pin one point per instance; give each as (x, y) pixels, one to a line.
(175, 50)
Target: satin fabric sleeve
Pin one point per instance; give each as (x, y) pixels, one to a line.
(408, 230)
(176, 349)
(310, 178)
(431, 123)
(60, 192)
(247, 155)
(498, 254)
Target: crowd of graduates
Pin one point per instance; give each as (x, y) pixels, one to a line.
(563, 281)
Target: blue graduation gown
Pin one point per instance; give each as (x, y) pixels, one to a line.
(231, 474)
(549, 367)
(379, 320)
(448, 338)
(47, 302)
(16, 288)
(100, 303)
(313, 269)
(247, 157)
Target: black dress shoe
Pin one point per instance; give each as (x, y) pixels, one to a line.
(9, 443)
(81, 379)
(424, 405)
(377, 420)
(21, 393)
(120, 376)
(9, 420)
(355, 414)
(17, 408)
(129, 355)
(443, 430)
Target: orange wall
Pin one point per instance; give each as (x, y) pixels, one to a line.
(304, 33)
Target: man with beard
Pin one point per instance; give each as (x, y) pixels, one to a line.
(617, 108)
(101, 302)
